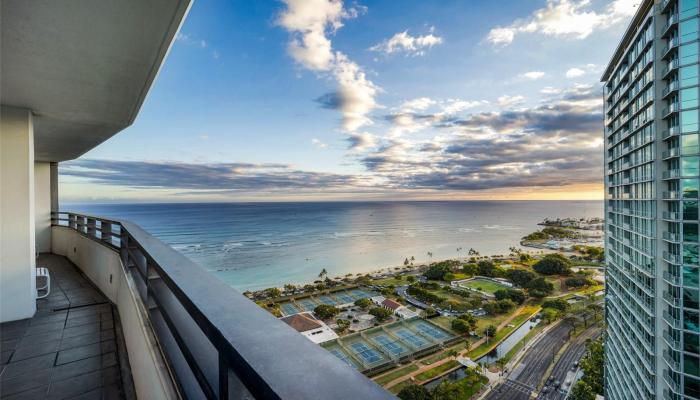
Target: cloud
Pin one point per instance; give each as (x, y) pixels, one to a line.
(577, 72)
(403, 42)
(553, 144)
(506, 101)
(203, 177)
(565, 18)
(419, 104)
(309, 23)
(532, 75)
(318, 143)
(361, 141)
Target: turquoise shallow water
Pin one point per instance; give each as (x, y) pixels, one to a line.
(258, 245)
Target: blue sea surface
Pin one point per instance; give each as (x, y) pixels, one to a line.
(258, 245)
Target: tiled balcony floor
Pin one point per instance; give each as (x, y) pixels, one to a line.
(70, 349)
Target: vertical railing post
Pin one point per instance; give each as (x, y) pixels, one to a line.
(71, 221)
(123, 249)
(106, 232)
(91, 224)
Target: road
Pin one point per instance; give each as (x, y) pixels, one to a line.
(565, 365)
(525, 377)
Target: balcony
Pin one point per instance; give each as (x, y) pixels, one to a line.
(672, 66)
(671, 237)
(671, 195)
(671, 88)
(671, 132)
(74, 76)
(672, 20)
(671, 153)
(671, 174)
(673, 259)
(671, 109)
(670, 46)
(672, 300)
(672, 216)
(205, 329)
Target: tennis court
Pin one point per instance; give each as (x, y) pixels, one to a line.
(344, 297)
(342, 355)
(289, 309)
(359, 294)
(431, 330)
(367, 354)
(393, 347)
(307, 304)
(327, 300)
(410, 338)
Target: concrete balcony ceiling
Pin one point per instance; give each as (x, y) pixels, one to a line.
(83, 67)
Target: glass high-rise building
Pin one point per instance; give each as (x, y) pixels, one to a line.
(652, 165)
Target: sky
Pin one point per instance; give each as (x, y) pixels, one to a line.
(312, 100)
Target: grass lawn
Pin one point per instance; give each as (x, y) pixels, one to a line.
(397, 388)
(523, 316)
(534, 331)
(390, 281)
(433, 372)
(443, 354)
(384, 379)
(483, 285)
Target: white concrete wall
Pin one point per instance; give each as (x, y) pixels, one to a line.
(104, 268)
(17, 259)
(42, 206)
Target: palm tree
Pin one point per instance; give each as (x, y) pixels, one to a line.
(412, 260)
(452, 353)
(430, 256)
(323, 273)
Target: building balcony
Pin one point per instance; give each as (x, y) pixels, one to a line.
(672, 66)
(670, 110)
(671, 195)
(671, 174)
(671, 279)
(671, 153)
(671, 132)
(671, 299)
(204, 328)
(675, 365)
(670, 89)
(672, 21)
(670, 47)
(671, 237)
(672, 216)
(672, 258)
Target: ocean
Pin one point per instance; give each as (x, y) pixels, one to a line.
(252, 246)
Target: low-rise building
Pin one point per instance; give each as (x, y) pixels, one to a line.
(315, 330)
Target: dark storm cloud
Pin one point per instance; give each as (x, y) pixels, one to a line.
(213, 176)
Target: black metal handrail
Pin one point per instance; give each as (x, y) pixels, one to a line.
(217, 343)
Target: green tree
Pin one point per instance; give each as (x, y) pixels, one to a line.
(363, 303)
(272, 292)
(490, 331)
(515, 295)
(520, 277)
(414, 392)
(581, 391)
(448, 277)
(325, 311)
(557, 304)
(553, 264)
(486, 268)
(411, 279)
(323, 273)
(592, 366)
(460, 326)
(549, 315)
(470, 320)
(437, 271)
(380, 313)
(540, 287)
(470, 269)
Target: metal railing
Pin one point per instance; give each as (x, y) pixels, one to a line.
(218, 344)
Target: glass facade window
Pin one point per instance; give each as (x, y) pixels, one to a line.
(689, 144)
(689, 98)
(688, 75)
(691, 387)
(688, 53)
(689, 30)
(691, 342)
(690, 165)
(690, 276)
(691, 320)
(689, 187)
(690, 232)
(690, 210)
(688, 8)
(689, 121)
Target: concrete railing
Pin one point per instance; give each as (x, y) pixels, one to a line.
(216, 343)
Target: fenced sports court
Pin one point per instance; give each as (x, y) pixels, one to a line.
(379, 348)
(336, 299)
